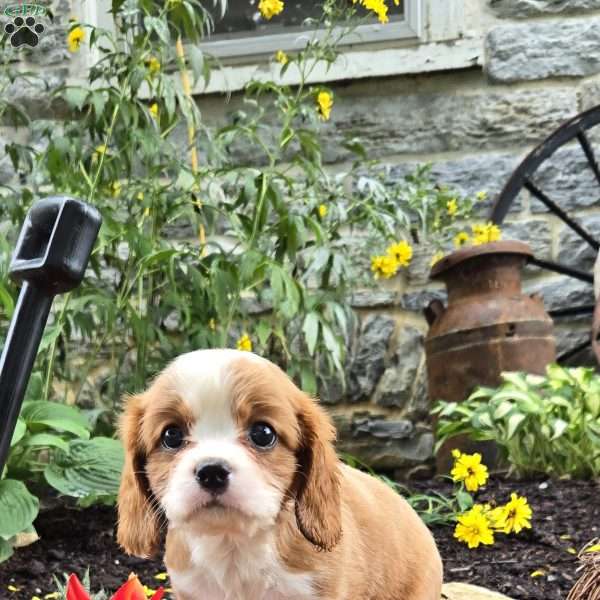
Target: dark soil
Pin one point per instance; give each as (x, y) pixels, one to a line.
(565, 517)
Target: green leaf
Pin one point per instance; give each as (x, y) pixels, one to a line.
(7, 301)
(196, 59)
(75, 97)
(513, 424)
(90, 467)
(18, 507)
(311, 331)
(464, 499)
(19, 432)
(6, 550)
(47, 440)
(502, 410)
(160, 27)
(558, 428)
(60, 417)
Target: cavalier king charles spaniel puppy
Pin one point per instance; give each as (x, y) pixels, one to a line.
(236, 466)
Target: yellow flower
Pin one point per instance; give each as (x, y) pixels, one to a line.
(469, 469)
(212, 325)
(270, 8)
(281, 57)
(494, 232)
(483, 234)
(153, 65)
(473, 528)
(75, 38)
(461, 238)
(244, 343)
(481, 195)
(323, 210)
(52, 596)
(436, 259)
(115, 189)
(379, 7)
(149, 591)
(140, 196)
(452, 207)
(101, 149)
(12, 588)
(402, 253)
(384, 266)
(154, 110)
(594, 548)
(324, 105)
(456, 453)
(35, 598)
(515, 515)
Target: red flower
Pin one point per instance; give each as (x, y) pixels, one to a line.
(76, 591)
(133, 590)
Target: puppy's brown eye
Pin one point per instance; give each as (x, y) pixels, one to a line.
(262, 435)
(172, 438)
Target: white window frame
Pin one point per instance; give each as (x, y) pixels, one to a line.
(409, 27)
(431, 37)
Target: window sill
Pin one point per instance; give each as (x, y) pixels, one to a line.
(356, 64)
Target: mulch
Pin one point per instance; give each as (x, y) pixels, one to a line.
(565, 519)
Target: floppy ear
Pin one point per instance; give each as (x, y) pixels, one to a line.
(318, 508)
(138, 530)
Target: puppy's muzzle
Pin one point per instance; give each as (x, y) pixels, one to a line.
(213, 476)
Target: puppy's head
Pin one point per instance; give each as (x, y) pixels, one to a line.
(218, 444)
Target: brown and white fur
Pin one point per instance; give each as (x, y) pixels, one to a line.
(294, 523)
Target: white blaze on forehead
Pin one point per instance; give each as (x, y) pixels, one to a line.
(203, 381)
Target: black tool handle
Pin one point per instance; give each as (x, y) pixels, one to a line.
(51, 256)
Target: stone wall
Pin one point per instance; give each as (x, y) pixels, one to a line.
(538, 65)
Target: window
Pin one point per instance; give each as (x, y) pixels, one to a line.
(244, 33)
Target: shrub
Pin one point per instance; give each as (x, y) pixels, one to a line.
(542, 424)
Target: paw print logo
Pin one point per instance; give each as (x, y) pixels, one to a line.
(24, 31)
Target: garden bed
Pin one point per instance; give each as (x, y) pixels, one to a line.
(563, 520)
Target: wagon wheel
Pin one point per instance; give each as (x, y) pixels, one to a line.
(524, 177)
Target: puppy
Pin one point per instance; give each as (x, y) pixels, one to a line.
(237, 465)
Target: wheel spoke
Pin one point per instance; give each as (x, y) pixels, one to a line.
(563, 269)
(572, 311)
(573, 351)
(589, 153)
(561, 214)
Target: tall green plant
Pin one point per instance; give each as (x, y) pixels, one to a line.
(266, 261)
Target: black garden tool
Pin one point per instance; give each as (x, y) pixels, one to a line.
(51, 256)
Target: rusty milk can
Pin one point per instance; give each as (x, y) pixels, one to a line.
(489, 327)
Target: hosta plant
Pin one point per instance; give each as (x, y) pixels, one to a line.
(542, 424)
(52, 445)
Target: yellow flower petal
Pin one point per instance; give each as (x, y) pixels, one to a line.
(594, 548)
(161, 576)
(244, 343)
(324, 105)
(75, 38)
(270, 8)
(538, 573)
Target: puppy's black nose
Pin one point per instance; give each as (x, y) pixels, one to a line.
(213, 477)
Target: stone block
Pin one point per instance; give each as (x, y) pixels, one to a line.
(533, 51)
(383, 444)
(535, 232)
(368, 361)
(440, 122)
(567, 180)
(398, 381)
(524, 9)
(562, 292)
(575, 251)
